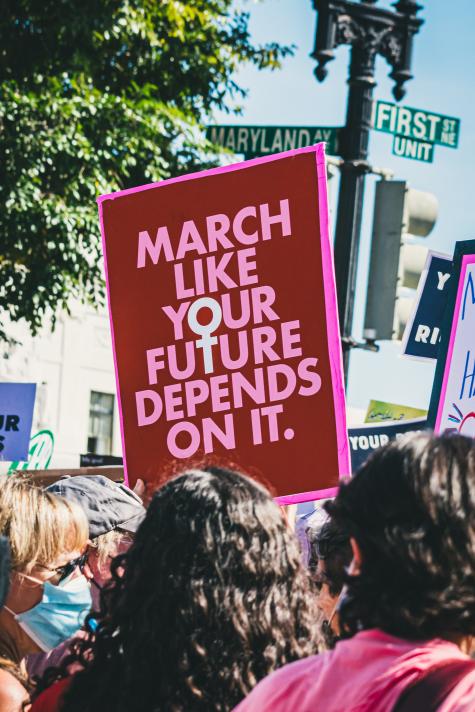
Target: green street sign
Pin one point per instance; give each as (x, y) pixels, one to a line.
(411, 148)
(254, 141)
(416, 124)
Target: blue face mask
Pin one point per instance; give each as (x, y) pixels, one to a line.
(59, 615)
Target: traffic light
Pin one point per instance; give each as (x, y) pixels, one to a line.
(397, 260)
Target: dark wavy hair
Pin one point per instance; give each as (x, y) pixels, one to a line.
(331, 544)
(210, 598)
(411, 509)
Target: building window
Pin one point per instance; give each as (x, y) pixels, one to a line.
(101, 417)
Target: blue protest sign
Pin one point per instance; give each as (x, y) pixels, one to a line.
(368, 438)
(17, 401)
(422, 334)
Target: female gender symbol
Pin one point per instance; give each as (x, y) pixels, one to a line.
(206, 341)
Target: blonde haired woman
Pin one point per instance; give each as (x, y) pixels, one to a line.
(48, 597)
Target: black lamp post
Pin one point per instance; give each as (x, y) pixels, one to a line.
(370, 31)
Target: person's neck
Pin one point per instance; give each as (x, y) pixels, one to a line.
(14, 642)
(464, 642)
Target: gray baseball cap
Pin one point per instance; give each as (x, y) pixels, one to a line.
(108, 505)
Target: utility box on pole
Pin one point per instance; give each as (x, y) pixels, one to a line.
(400, 213)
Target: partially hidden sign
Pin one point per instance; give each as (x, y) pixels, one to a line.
(422, 333)
(382, 412)
(39, 453)
(365, 439)
(452, 405)
(17, 401)
(225, 328)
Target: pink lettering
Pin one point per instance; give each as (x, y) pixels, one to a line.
(217, 272)
(141, 399)
(246, 265)
(290, 339)
(177, 430)
(173, 401)
(217, 227)
(263, 338)
(245, 238)
(190, 240)
(153, 249)
(282, 371)
(153, 365)
(176, 317)
(306, 374)
(283, 218)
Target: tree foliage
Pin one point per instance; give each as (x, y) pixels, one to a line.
(97, 97)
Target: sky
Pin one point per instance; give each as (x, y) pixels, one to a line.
(443, 66)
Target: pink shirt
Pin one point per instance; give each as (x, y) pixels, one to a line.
(366, 673)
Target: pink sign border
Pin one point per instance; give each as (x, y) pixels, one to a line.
(466, 260)
(331, 305)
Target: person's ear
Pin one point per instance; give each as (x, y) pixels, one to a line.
(355, 566)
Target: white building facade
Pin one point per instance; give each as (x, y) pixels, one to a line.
(76, 392)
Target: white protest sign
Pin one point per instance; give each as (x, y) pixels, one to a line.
(453, 397)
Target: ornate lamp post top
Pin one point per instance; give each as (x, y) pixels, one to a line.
(371, 30)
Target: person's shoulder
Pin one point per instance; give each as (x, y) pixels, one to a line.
(462, 697)
(12, 693)
(278, 691)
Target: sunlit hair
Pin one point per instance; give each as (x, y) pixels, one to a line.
(106, 545)
(210, 598)
(39, 526)
(411, 509)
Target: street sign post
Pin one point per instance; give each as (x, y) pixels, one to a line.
(256, 141)
(425, 126)
(415, 131)
(412, 148)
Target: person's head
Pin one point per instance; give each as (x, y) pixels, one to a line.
(46, 536)
(114, 513)
(410, 513)
(330, 555)
(210, 598)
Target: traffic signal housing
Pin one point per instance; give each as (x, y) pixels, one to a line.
(401, 214)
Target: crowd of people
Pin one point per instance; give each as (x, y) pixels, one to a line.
(211, 598)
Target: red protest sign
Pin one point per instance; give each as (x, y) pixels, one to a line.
(224, 319)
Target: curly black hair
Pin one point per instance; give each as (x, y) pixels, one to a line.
(210, 598)
(411, 509)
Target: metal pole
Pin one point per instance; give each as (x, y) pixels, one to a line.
(371, 31)
(355, 143)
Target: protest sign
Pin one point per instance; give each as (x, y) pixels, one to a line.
(422, 333)
(369, 437)
(382, 412)
(452, 406)
(39, 453)
(17, 401)
(224, 319)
